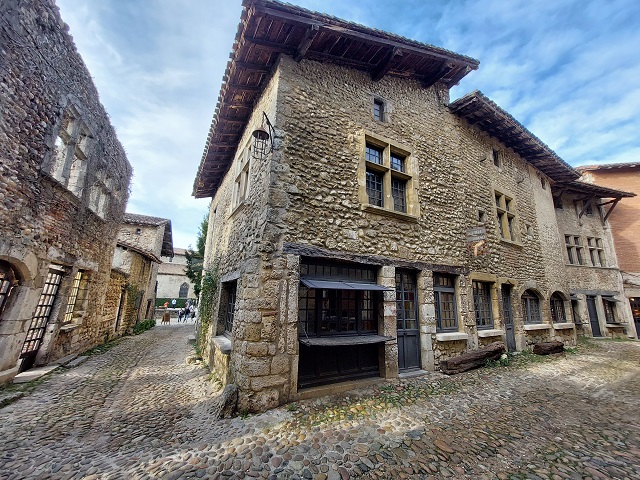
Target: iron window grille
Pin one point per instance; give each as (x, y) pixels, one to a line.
(73, 297)
(609, 311)
(231, 289)
(445, 303)
(482, 304)
(43, 310)
(531, 308)
(375, 188)
(399, 194)
(557, 309)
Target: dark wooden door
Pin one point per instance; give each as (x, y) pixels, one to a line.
(635, 310)
(407, 321)
(508, 318)
(593, 316)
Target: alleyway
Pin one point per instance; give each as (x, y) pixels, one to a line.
(139, 411)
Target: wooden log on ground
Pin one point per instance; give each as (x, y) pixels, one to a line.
(548, 348)
(474, 359)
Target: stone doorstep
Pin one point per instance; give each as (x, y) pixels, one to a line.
(34, 374)
(64, 360)
(413, 373)
(335, 388)
(77, 361)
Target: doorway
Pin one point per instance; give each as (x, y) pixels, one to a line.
(593, 316)
(635, 311)
(407, 321)
(507, 311)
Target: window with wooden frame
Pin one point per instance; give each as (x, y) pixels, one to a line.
(531, 308)
(596, 251)
(378, 109)
(482, 304)
(389, 182)
(556, 303)
(506, 217)
(445, 302)
(575, 249)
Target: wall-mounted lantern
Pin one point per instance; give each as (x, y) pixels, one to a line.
(263, 138)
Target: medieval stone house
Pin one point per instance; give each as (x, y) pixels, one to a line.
(173, 282)
(131, 294)
(64, 182)
(625, 222)
(362, 225)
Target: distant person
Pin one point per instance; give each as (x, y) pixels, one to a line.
(180, 314)
(166, 317)
(192, 310)
(166, 304)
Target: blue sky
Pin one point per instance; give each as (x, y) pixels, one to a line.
(568, 70)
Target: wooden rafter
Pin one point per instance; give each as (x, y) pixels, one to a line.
(444, 68)
(384, 65)
(306, 42)
(614, 203)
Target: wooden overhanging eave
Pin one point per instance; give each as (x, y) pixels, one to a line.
(269, 28)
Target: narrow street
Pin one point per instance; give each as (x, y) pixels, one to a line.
(140, 411)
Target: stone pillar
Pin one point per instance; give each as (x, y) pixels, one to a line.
(426, 318)
(388, 327)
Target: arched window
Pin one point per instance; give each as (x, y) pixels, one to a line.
(7, 282)
(184, 290)
(557, 308)
(531, 307)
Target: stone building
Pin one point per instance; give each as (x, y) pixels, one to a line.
(142, 240)
(172, 280)
(64, 182)
(625, 222)
(362, 225)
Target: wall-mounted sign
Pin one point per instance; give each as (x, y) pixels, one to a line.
(477, 240)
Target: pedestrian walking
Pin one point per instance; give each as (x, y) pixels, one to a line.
(180, 314)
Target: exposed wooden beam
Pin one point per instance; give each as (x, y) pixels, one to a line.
(275, 46)
(248, 88)
(615, 202)
(437, 75)
(306, 42)
(384, 65)
(254, 67)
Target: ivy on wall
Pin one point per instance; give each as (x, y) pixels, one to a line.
(208, 292)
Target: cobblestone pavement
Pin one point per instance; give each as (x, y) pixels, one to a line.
(140, 411)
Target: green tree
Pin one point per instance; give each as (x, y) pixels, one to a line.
(195, 258)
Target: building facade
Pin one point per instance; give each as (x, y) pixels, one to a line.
(362, 225)
(173, 283)
(625, 222)
(142, 240)
(64, 185)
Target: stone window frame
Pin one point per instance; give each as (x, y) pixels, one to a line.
(72, 149)
(531, 308)
(242, 178)
(556, 305)
(379, 109)
(575, 249)
(369, 168)
(496, 156)
(8, 281)
(438, 290)
(506, 216)
(596, 251)
(100, 194)
(483, 303)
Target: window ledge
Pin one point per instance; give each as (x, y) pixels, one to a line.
(562, 326)
(451, 336)
(69, 327)
(238, 208)
(223, 344)
(390, 213)
(537, 326)
(511, 243)
(490, 333)
(616, 325)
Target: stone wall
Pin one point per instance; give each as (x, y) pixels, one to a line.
(56, 205)
(307, 200)
(171, 276)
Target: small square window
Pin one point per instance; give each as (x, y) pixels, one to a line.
(374, 154)
(397, 162)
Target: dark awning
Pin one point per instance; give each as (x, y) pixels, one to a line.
(342, 285)
(344, 340)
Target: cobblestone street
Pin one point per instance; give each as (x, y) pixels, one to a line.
(140, 411)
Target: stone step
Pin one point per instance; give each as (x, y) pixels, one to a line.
(34, 373)
(77, 361)
(64, 360)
